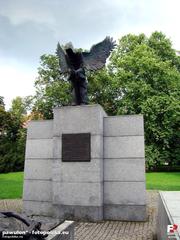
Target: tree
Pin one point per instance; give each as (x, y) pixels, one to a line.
(18, 107)
(51, 89)
(12, 138)
(2, 102)
(148, 75)
(102, 89)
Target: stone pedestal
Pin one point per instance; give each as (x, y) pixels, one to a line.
(110, 184)
(78, 186)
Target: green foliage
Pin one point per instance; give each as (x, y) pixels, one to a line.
(18, 107)
(12, 140)
(102, 89)
(162, 114)
(51, 88)
(2, 102)
(147, 71)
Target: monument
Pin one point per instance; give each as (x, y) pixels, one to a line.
(74, 63)
(84, 164)
(92, 171)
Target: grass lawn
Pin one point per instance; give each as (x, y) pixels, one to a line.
(166, 181)
(11, 184)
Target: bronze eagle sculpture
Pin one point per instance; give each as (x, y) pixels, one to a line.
(75, 63)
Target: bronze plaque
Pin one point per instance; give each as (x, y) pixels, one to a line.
(76, 147)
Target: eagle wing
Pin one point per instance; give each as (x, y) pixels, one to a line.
(96, 58)
(64, 68)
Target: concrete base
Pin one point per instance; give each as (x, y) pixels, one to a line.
(39, 208)
(110, 186)
(89, 213)
(125, 212)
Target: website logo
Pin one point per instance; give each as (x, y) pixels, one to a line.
(172, 232)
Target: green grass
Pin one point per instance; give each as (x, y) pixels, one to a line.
(11, 184)
(166, 181)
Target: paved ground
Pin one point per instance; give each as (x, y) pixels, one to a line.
(11, 205)
(109, 230)
(116, 230)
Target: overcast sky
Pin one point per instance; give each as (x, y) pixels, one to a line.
(30, 28)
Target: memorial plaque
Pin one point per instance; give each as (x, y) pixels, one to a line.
(76, 147)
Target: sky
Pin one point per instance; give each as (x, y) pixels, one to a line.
(30, 28)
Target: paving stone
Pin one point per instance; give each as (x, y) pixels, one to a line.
(109, 230)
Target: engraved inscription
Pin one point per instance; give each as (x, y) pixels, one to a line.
(76, 147)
